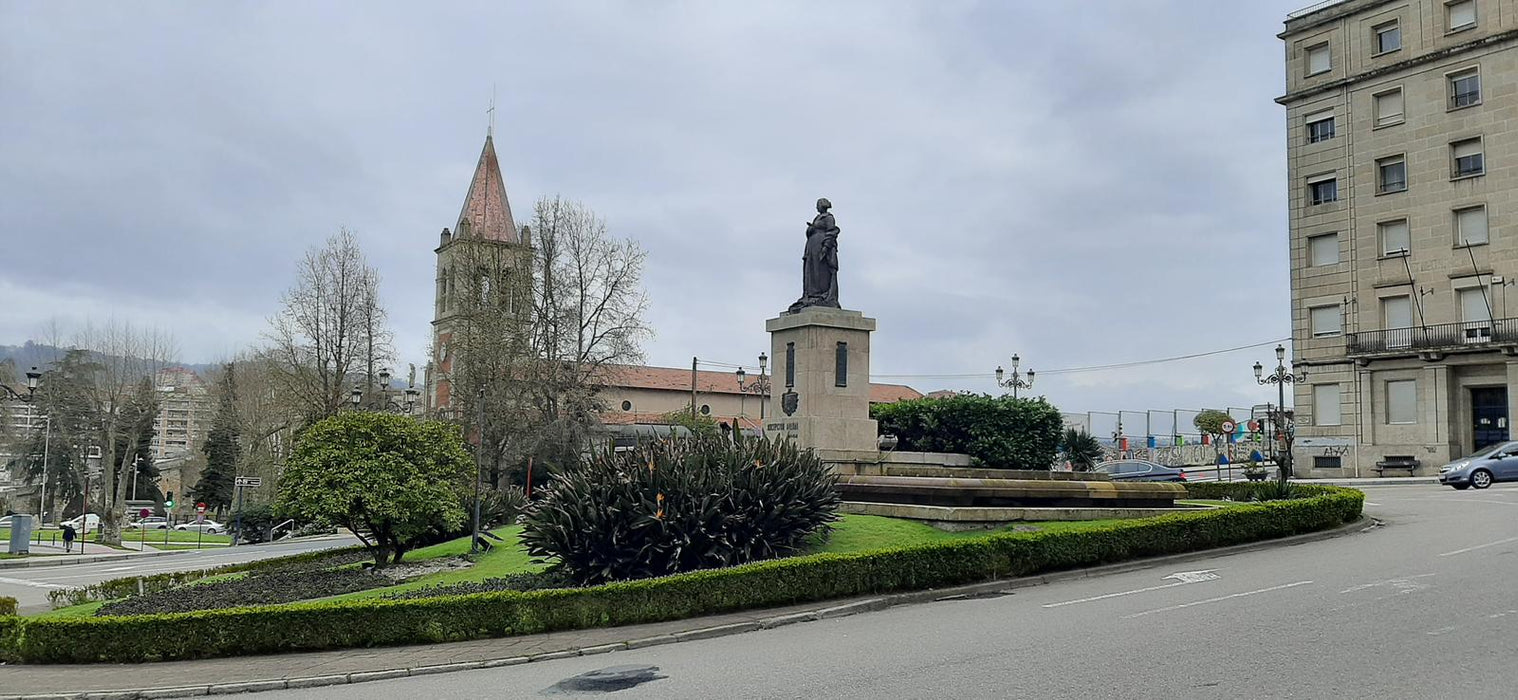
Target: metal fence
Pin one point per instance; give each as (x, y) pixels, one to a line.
(1170, 436)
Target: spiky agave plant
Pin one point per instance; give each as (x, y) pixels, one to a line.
(680, 505)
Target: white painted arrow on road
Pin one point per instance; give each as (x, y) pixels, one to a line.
(1181, 578)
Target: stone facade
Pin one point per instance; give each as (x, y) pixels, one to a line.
(1402, 243)
(823, 356)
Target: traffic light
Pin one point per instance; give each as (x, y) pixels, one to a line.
(168, 500)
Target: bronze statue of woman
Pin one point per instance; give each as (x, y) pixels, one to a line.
(819, 261)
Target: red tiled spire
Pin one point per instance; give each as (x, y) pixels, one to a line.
(486, 208)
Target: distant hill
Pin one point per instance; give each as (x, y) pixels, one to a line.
(39, 355)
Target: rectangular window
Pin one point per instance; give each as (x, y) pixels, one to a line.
(1320, 126)
(1473, 306)
(1389, 107)
(1468, 159)
(1397, 312)
(1394, 237)
(1402, 402)
(1464, 89)
(1327, 462)
(790, 365)
(1388, 37)
(1318, 59)
(1326, 321)
(841, 365)
(1470, 226)
(1323, 250)
(1323, 191)
(1460, 14)
(1391, 174)
(1325, 404)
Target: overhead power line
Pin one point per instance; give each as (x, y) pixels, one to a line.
(1092, 368)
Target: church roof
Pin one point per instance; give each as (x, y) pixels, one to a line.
(486, 208)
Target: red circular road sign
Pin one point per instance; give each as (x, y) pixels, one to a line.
(144, 513)
(1229, 426)
(200, 507)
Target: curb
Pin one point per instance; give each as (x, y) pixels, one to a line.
(1359, 525)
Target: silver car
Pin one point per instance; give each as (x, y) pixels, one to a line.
(1488, 466)
(209, 527)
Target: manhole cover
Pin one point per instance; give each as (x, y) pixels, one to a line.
(605, 680)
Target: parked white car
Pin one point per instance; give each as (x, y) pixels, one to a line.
(92, 519)
(152, 522)
(209, 527)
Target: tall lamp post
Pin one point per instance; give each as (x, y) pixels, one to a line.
(761, 386)
(33, 381)
(1285, 432)
(1017, 381)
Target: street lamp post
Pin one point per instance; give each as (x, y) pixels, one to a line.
(761, 386)
(406, 406)
(33, 381)
(1017, 381)
(1285, 432)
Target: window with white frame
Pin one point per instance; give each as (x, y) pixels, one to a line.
(1391, 174)
(1397, 312)
(1323, 250)
(1394, 237)
(1475, 308)
(1402, 402)
(1320, 126)
(1325, 404)
(1388, 37)
(1459, 15)
(1470, 226)
(1318, 59)
(1326, 321)
(1468, 160)
(1464, 88)
(1388, 107)
(1323, 189)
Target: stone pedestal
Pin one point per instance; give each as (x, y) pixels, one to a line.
(821, 385)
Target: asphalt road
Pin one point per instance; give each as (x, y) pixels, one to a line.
(30, 585)
(1425, 607)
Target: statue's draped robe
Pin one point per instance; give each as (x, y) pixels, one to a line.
(819, 265)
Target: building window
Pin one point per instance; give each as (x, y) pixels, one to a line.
(1323, 250)
(1468, 159)
(1326, 321)
(1464, 88)
(1474, 311)
(1397, 312)
(1327, 462)
(1388, 107)
(1325, 404)
(1388, 37)
(1318, 59)
(1394, 237)
(1460, 15)
(627, 405)
(1320, 126)
(706, 410)
(1470, 226)
(1402, 402)
(1391, 175)
(1323, 190)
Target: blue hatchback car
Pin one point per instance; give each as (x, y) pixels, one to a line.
(1490, 465)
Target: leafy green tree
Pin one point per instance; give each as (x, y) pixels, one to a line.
(1211, 422)
(214, 488)
(1081, 449)
(998, 432)
(698, 425)
(387, 478)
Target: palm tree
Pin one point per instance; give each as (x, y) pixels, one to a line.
(1082, 450)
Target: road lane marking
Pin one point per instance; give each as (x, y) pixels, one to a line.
(1404, 584)
(119, 568)
(1371, 504)
(1182, 578)
(24, 582)
(1479, 546)
(1168, 608)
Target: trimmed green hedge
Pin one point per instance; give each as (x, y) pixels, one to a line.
(369, 623)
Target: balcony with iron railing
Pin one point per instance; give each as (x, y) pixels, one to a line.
(1466, 336)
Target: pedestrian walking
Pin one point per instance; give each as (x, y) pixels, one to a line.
(68, 537)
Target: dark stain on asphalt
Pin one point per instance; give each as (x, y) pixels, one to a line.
(605, 680)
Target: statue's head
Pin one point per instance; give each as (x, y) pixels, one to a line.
(823, 205)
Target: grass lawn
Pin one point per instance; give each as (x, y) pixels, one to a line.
(861, 533)
(505, 559)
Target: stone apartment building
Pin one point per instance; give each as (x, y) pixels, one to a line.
(1402, 159)
(184, 413)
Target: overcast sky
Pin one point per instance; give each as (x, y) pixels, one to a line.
(1080, 183)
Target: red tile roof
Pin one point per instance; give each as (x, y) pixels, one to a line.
(709, 382)
(486, 208)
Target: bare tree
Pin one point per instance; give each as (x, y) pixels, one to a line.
(123, 399)
(331, 327)
(539, 331)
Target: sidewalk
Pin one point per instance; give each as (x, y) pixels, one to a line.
(324, 668)
(1373, 481)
